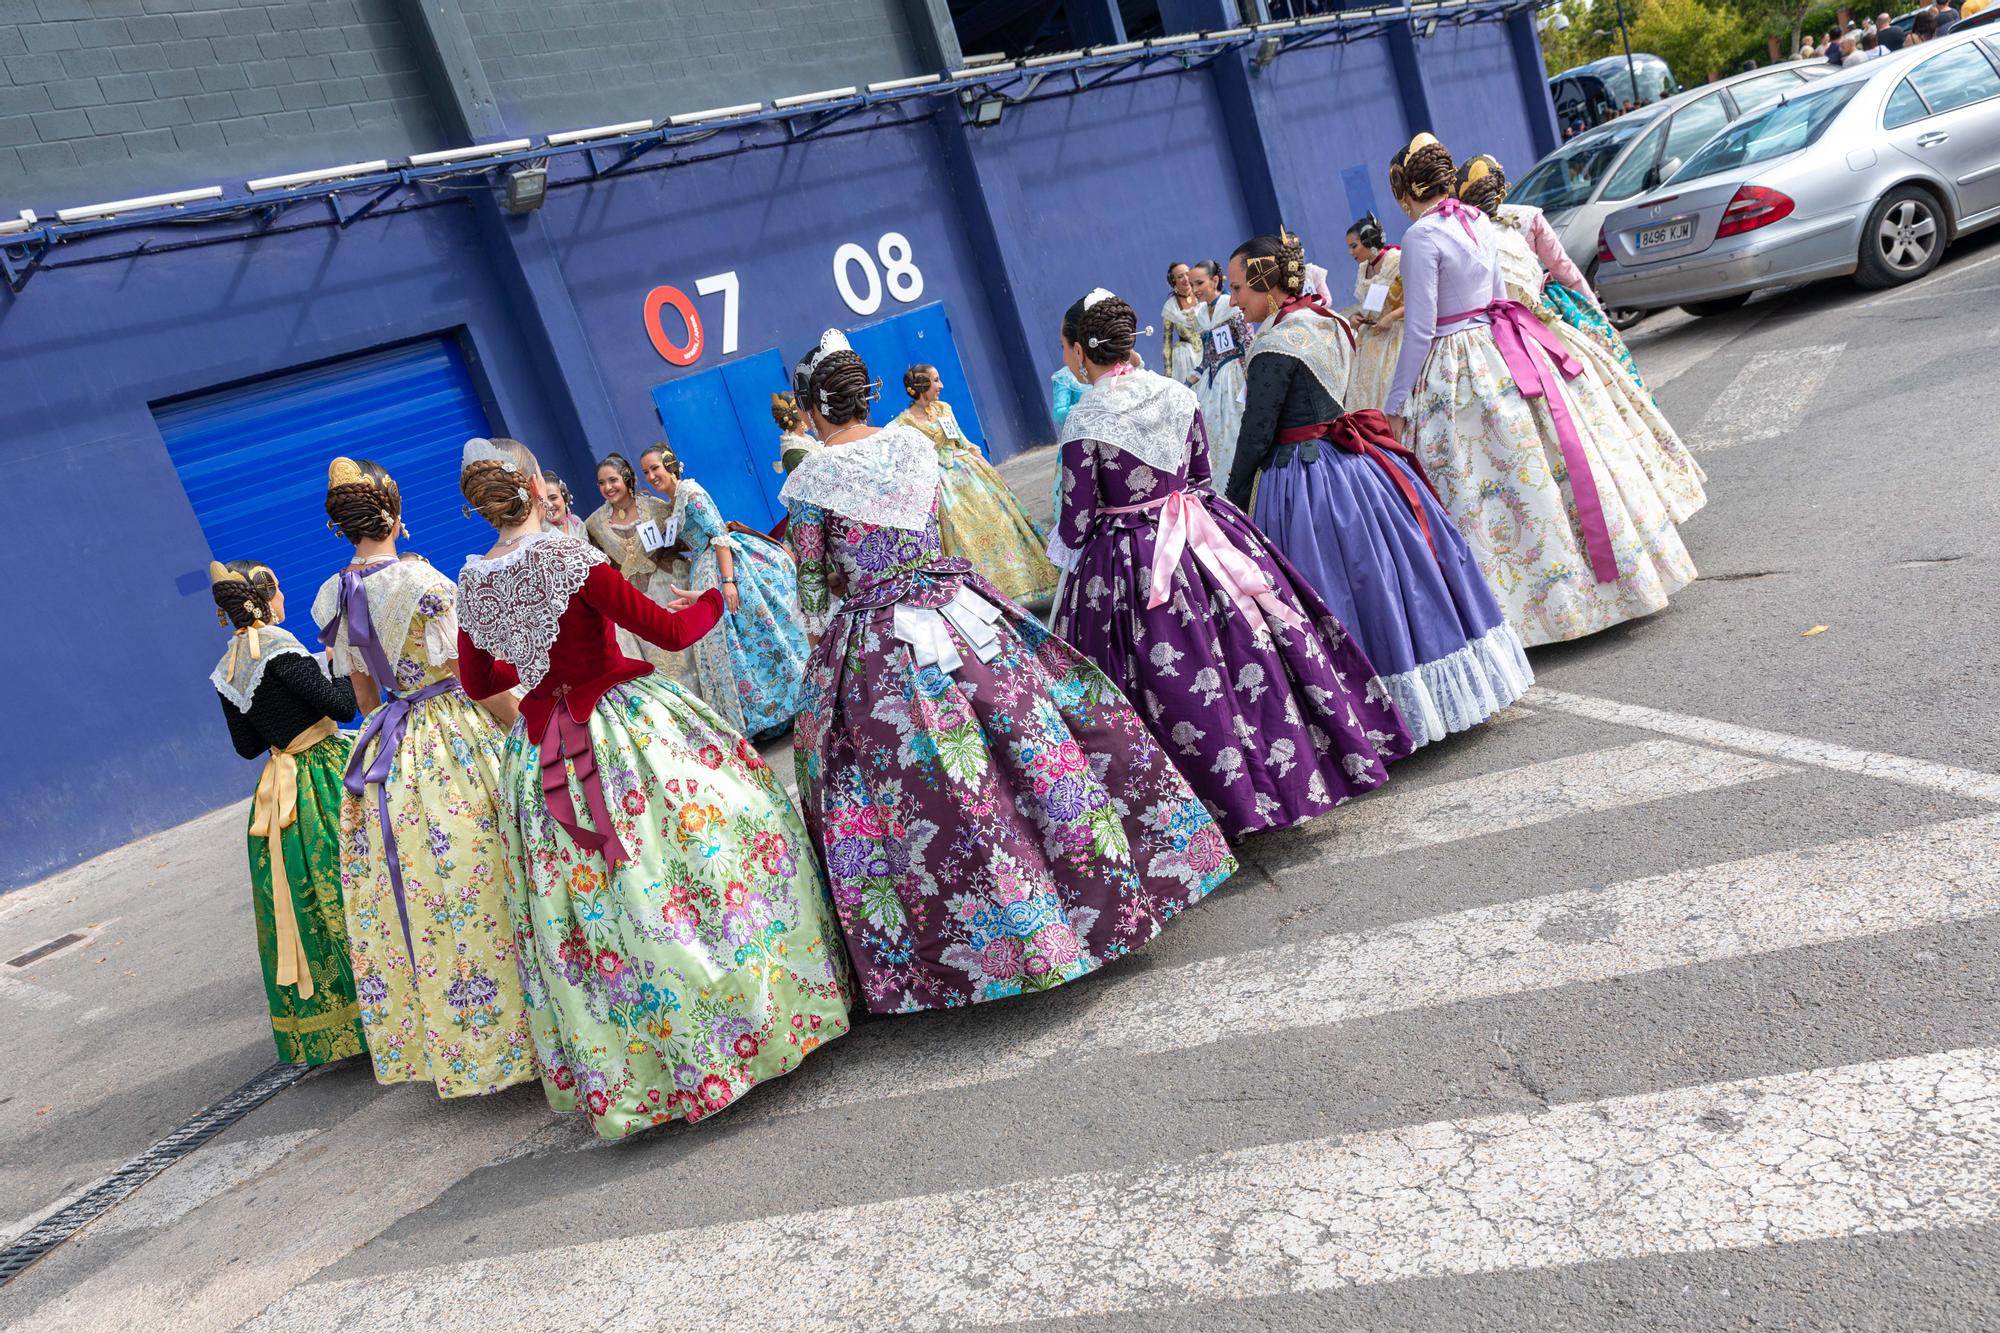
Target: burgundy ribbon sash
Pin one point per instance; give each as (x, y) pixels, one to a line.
(566, 739)
(1367, 433)
(384, 731)
(1516, 331)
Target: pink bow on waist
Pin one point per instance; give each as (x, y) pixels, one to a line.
(1514, 328)
(1185, 524)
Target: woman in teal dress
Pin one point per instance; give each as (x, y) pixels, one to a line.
(750, 672)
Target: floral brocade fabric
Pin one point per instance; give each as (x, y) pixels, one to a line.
(996, 828)
(709, 963)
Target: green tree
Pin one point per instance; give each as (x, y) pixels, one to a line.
(1588, 36)
(1697, 40)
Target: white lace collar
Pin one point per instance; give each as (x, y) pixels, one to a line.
(237, 676)
(1323, 346)
(510, 605)
(1146, 415)
(392, 593)
(889, 479)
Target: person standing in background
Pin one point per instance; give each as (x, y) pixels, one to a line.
(1225, 341)
(1180, 350)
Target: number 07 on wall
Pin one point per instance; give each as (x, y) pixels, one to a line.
(663, 298)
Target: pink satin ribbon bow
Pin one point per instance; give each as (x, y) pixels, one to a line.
(1185, 524)
(1453, 207)
(1514, 328)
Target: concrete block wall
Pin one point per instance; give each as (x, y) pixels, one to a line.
(569, 65)
(103, 97)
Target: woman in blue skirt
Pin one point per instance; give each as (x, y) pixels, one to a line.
(1344, 502)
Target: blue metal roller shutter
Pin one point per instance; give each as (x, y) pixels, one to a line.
(253, 460)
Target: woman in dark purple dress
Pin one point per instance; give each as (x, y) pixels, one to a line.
(1274, 714)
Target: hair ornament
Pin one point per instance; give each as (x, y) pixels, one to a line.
(1096, 294)
(1424, 140)
(480, 450)
(833, 340)
(345, 472)
(221, 573)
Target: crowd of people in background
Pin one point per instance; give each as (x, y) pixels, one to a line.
(1871, 39)
(1314, 541)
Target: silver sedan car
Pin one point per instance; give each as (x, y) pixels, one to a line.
(1871, 172)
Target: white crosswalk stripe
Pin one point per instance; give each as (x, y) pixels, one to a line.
(1849, 1151)
(1784, 900)
(1767, 399)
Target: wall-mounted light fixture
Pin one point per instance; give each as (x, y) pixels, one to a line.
(527, 189)
(987, 112)
(1267, 51)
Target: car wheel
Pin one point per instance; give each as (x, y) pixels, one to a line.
(1623, 319)
(1722, 305)
(1903, 239)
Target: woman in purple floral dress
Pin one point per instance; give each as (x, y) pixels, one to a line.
(1274, 712)
(993, 815)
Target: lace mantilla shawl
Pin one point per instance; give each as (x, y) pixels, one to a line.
(393, 595)
(240, 686)
(1520, 268)
(509, 605)
(1316, 342)
(1147, 416)
(889, 479)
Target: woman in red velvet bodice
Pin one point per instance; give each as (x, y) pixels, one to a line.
(654, 864)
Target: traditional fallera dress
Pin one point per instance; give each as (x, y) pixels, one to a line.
(1180, 341)
(430, 928)
(978, 517)
(620, 542)
(793, 446)
(1243, 674)
(1376, 336)
(279, 704)
(1571, 538)
(1225, 342)
(750, 671)
(677, 946)
(994, 816)
(1064, 391)
(572, 526)
(1541, 275)
(1348, 506)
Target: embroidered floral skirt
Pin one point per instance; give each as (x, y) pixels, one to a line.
(1002, 828)
(328, 1025)
(1672, 470)
(708, 963)
(1494, 458)
(441, 1005)
(749, 667)
(1222, 413)
(1271, 725)
(1373, 365)
(980, 521)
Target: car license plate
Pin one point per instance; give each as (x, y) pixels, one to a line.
(1667, 235)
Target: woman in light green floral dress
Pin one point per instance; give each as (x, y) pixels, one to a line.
(429, 926)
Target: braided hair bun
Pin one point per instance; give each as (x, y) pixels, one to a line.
(362, 501)
(1367, 229)
(840, 386)
(1274, 264)
(243, 592)
(497, 492)
(1483, 184)
(917, 381)
(1105, 328)
(1423, 172)
(785, 411)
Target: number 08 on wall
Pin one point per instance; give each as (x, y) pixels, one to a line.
(892, 267)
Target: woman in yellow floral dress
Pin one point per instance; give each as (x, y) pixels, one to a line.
(978, 517)
(424, 867)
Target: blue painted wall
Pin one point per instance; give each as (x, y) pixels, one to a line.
(1008, 224)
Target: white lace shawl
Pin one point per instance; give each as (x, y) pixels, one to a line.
(1316, 342)
(510, 604)
(889, 479)
(393, 595)
(240, 686)
(1147, 416)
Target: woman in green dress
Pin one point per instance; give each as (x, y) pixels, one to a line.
(978, 517)
(280, 705)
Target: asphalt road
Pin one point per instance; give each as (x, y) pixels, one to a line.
(1668, 1001)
